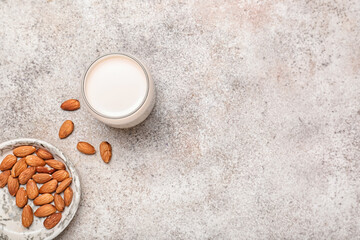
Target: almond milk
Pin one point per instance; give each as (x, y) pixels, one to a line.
(118, 90)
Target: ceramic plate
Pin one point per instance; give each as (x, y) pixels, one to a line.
(10, 214)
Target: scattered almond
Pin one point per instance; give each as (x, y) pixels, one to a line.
(105, 151)
(34, 161)
(45, 210)
(55, 164)
(26, 175)
(66, 129)
(45, 170)
(44, 154)
(21, 198)
(63, 185)
(48, 187)
(42, 177)
(32, 189)
(86, 148)
(27, 216)
(13, 185)
(68, 195)
(4, 176)
(43, 199)
(70, 105)
(8, 162)
(52, 220)
(18, 168)
(23, 151)
(59, 202)
(60, 175)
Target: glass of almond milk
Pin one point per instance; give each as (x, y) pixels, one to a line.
(118, 90)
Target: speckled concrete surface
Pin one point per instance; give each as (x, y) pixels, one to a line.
(256, 131)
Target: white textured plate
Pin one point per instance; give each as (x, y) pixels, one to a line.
(10, 214)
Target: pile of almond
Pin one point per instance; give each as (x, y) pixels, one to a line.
(68, 127)
(45, 178)
(45, 181)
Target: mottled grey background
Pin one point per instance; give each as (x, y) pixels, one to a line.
(256, 130)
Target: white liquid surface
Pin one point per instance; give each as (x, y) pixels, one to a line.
(116, 86)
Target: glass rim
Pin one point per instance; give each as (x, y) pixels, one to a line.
(92, 64)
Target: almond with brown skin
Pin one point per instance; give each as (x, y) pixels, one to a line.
(27, 216)
(45, 170)
(49, 187)
(43, 199)
(26, 175)
(70, 105)
(52, 220)
(23, 151)
(105, 151)
(63, 185)
(59, 202)
(44, 154)
(45, 210)
(66, 129)
(8, 162)
(34, 161)
(60, 175)
(86, 148)
(55, 164)
(32, 189)
(68, 195)
(13, 185)
(18, 168)
(42, 177)
(21, 198)
(4, 176)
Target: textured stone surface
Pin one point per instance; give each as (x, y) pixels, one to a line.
(256, 130)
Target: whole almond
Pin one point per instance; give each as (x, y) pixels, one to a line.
(43, 199)
(66, 129)
(45, 210)
(52, 220)
(63, 185)
(13, 185)
(68, 195)
(27, 216)
(26, 175)
(42, 177)
(32, 189)
(4, 176)
(55, 164)
(60, 175)
(18, 168)
(44, 154)
(48, 187)
(8, 162)
(86, 148)
(34, 161)
(70, 105)
(45, 170)
(23, 151)
(59, 202)
(21, 198)
(105, 151)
